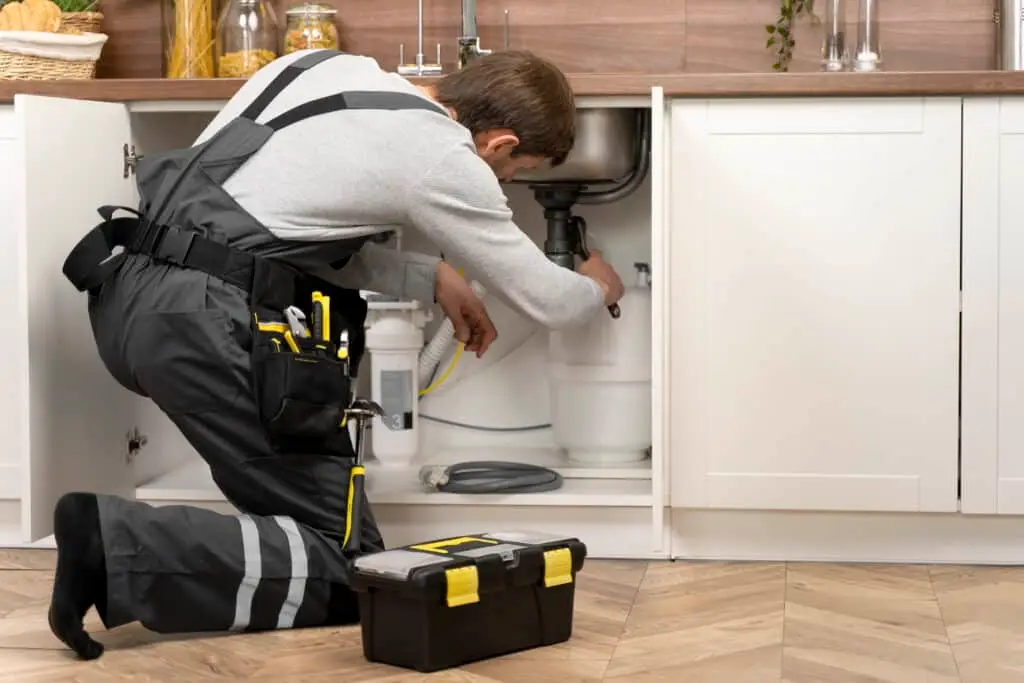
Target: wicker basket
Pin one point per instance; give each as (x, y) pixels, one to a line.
(31, 56)
(81, 22)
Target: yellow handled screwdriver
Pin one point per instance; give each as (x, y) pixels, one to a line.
(321, 320)
(290, 340)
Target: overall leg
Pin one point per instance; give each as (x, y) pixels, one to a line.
(181, 569)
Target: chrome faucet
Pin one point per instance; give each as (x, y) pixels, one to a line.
(420, 67)
(469, 41)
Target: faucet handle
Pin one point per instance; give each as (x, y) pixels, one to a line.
(506, 30)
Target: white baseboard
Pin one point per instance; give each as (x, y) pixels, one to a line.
(846, 537)
(609, 533)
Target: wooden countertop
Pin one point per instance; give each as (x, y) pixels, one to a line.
(619, 84)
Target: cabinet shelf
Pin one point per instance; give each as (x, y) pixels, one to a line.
(399, 486)
(551, 458)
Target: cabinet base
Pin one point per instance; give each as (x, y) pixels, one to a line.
(912, 538)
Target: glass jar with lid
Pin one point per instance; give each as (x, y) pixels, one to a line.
(247, 35)
(310, 26)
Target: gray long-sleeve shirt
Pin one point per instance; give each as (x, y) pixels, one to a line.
(354, 173)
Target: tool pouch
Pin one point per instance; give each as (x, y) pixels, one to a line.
(302, 396)
(301, 386)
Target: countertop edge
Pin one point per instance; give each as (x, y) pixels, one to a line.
(813, 84)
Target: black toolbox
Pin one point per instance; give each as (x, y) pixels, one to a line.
(441, 604)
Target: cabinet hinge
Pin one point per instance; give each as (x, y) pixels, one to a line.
(960, 300)
(135, 441)
(130, 159)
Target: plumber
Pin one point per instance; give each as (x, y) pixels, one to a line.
(277, 204)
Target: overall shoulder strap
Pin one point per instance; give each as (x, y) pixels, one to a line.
(284, 79)
(375, 100)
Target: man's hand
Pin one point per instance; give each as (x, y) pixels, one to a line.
(601, 272)
(473, 327)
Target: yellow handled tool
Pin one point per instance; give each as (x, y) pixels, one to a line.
(362, 411)
(343, 346)
(321, 320)
(290, 340)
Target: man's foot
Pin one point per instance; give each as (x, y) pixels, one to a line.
(81, 579)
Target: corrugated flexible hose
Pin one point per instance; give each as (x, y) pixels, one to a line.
(489, 476)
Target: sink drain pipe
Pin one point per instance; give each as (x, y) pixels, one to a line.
(557, 198)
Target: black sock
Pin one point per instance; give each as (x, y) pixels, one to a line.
(81, 580)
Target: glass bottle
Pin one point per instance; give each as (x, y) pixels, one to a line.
(868, 55)
(247, 34)
(188, 38)
(835, 54)
(310, 26)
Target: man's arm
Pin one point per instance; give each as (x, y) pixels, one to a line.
(460, 207)
(381, 269)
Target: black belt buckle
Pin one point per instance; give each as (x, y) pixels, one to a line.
(175, 246)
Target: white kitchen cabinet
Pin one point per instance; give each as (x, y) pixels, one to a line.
(10, 216)
(74, 437)
(73, 419)
(76, 423)
(993, 303)
(815, 304)
(11, 371)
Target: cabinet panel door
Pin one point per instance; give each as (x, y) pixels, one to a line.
(815, 304)
(993, 317)
(11, 413)
(661, 264)
(78, 415)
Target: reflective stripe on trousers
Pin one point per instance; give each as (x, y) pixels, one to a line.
(254, 572)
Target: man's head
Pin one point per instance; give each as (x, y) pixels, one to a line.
(519, 108)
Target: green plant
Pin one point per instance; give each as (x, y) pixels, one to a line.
(780, 34)
(76, 5)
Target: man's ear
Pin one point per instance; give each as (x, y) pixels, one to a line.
(497, 143)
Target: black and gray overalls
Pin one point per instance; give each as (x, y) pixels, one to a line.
(190, 315)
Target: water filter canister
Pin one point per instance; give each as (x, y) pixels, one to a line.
(394, 339)
(600, 383)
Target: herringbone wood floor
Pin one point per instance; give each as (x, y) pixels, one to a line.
(636, 622)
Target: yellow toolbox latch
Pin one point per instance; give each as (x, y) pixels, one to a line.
(557, 567)
(463, 586)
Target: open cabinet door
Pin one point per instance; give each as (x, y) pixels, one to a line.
(659, 318)
(78, 416)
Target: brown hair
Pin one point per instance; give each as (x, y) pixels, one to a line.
(517, 90)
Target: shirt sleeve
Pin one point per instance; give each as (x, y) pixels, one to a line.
(381, 269)
(460, 207)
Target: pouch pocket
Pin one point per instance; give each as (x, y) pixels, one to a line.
(302, 395)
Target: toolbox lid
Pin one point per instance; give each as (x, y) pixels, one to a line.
(497, 560)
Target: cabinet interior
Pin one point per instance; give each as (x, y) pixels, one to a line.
(507, 387)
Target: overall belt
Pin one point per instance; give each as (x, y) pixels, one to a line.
(91, 262)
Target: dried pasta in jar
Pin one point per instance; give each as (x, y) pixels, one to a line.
(310, 26)
(247, 38)
(243, 63)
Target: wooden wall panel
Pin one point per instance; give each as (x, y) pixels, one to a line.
(916, 35)
(633, 36)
